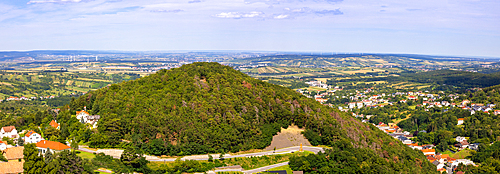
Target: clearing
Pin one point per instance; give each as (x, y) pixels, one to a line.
(292, 136)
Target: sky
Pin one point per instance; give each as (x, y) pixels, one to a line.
(433, 27)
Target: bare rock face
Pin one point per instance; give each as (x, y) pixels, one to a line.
(289, 137)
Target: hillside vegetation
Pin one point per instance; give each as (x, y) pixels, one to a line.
(208, 108)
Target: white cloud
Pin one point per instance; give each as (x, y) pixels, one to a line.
(54, 1)
(237, 15)
(281, 16)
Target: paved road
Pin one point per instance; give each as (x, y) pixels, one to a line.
(278, 151)
(288, 149)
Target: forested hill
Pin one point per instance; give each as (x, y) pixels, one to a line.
(208, 108)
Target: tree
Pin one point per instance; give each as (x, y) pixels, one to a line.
(51, 132)
(69, 162)
(131, 159)
(74, 145)
(2, 158)
(20, 141)
(48, 156)
(210, 158)
(33, 162)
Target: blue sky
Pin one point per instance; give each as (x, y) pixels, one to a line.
(437, 27)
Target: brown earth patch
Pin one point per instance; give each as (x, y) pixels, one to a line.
(292, 136)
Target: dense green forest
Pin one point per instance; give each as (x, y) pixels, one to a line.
(207, 108)
(452, 78)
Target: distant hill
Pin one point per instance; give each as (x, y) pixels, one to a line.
(204, 108)
(458, 79)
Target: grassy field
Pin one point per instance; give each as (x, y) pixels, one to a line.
(286, 167)
(85, 155)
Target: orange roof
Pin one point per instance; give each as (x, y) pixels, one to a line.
(428, 150)
(461, 119)
(391, 130)
(12, 167)
(450, 159)
(30, 133)
(445, 155)
(441, 170)
(414, 144)
(8, 128)
(1, 142)
(14, 153)
(54, 124)
(78, 112)
(52, 145)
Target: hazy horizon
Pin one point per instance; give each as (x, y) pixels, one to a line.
(442, 28)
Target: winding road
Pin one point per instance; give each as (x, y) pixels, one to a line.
(272, 152)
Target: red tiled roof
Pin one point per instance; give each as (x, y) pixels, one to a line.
(30, 133)
(428, 150)
(8, 128)
(461, 119)
(52, 145)
(1, 142)
(78, 112)
(14, 153)
(12, 167)
(54, 124)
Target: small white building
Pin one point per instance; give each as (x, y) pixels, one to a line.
(3, 145)
(54, 146)
(460, 121)
(82, 115)
(8, 131)
(460, 139)
(32, 137)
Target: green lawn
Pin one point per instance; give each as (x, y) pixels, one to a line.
(286, 167)
(85, 155)
(462, 154)
(459, 155)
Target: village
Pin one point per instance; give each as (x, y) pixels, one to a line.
(13, 140)
(360, 99)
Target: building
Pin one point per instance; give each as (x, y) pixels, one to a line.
(93, 119)
(54, 124)
(14, 153)
(11, 167)
(460, 121)
(82, 115)
(429, 151)
(32, 137)
(8, 131)
(3, 145)
(53, 146)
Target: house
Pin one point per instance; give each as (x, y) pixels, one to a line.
(14, 153)
(415, 146)
(32, 137)
(11, 167)
(82, 115)
(463, 144)
(8, 131)
(474, 146)
(460, 139)
(460, 121)
(497, 112)
(53, 146)
(3, 145)
(429, 151)
(54, 124)
(93, 119)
